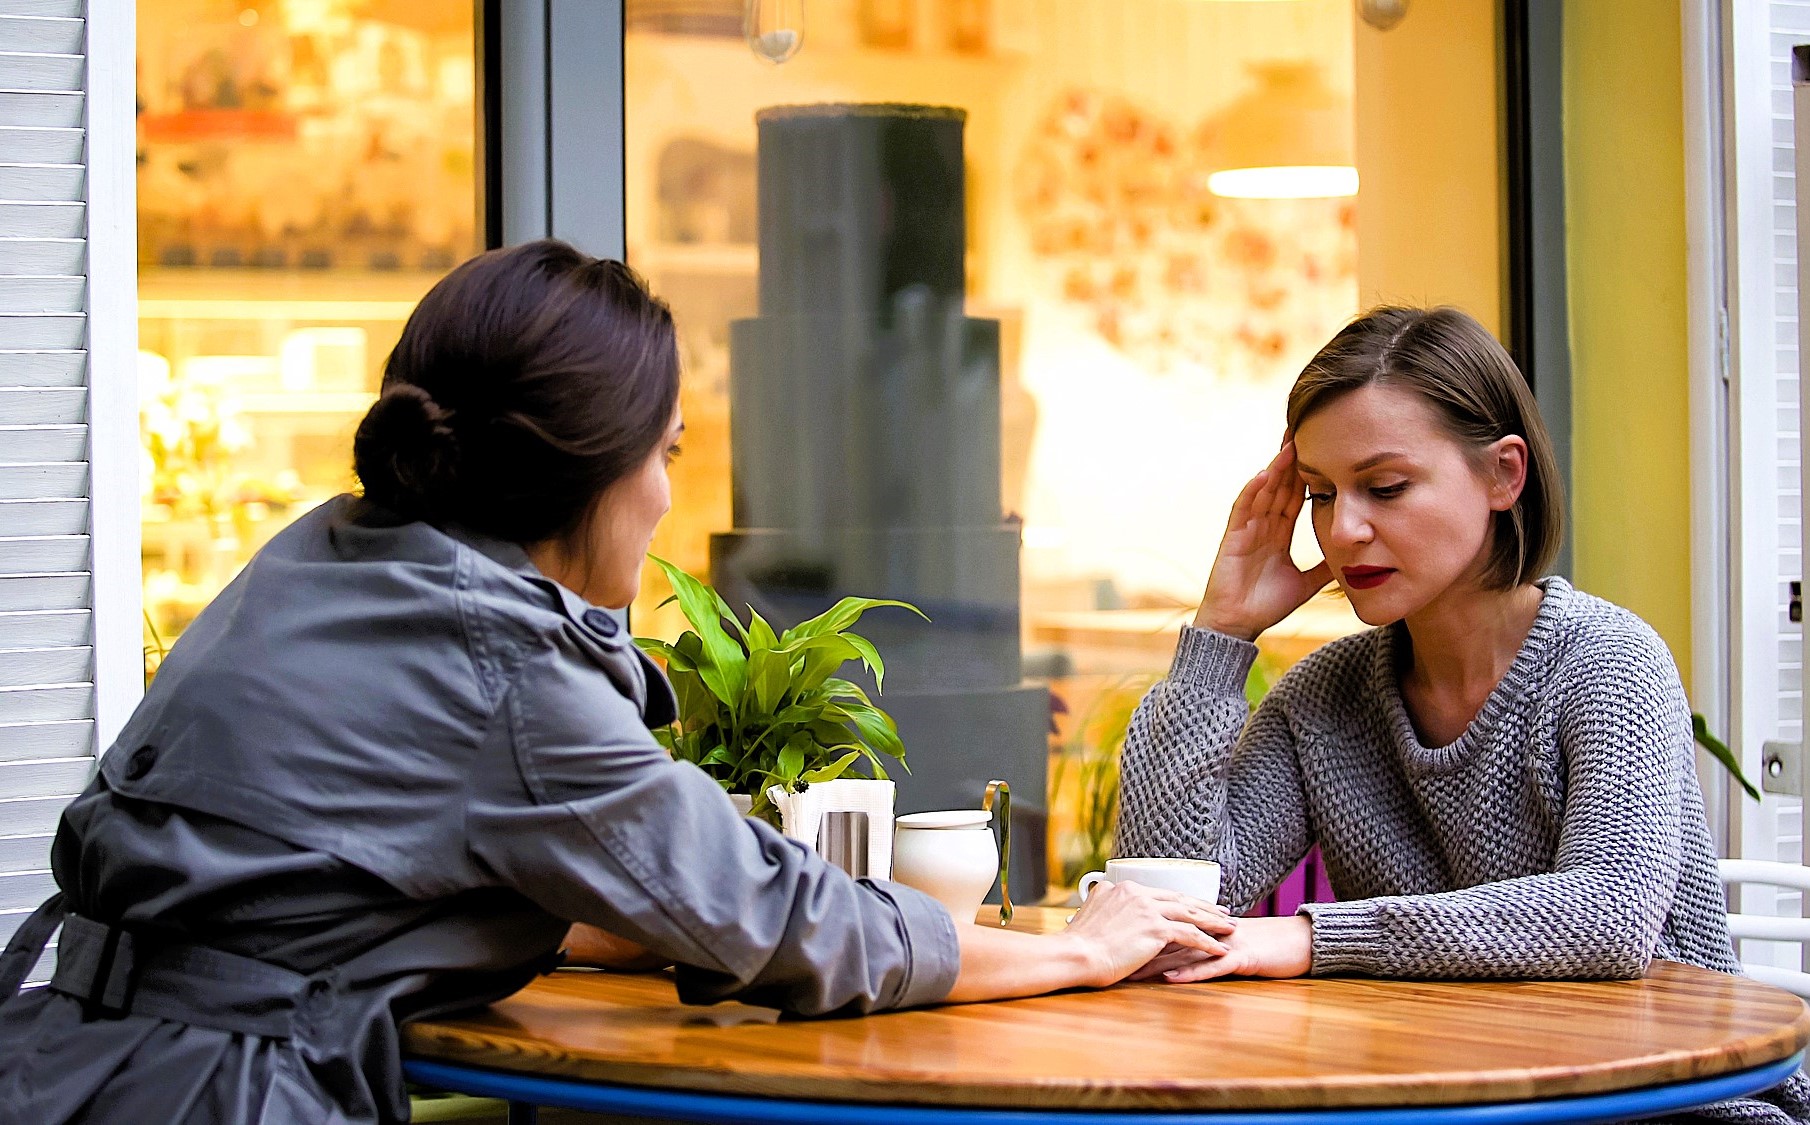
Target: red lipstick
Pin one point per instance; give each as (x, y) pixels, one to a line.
(1366, 577)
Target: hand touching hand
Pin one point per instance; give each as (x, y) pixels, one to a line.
(1254, 583)
(1260, 947)
(1123, 926)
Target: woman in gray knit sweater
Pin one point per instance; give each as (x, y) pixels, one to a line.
(1500, 775)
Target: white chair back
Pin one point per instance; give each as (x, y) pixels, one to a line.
(1736, 872)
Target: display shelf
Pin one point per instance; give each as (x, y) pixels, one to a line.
(248, 294)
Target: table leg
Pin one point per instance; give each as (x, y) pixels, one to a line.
(524, 1113)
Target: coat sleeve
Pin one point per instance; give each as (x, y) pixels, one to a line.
(583, 812)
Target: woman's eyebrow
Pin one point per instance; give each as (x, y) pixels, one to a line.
(1369, 462)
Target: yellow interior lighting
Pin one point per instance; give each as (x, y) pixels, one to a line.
(1288, 137)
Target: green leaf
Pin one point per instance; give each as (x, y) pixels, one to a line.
(874, 764)
(725, 664)
(840, 616)
(791, 762)
(697, 705)
(760, 634)
(769, 675)
(822, 657)
(870, 656)
(835, 769)
(717, 757)
(843, 689)
(672, 657)
(876, 727)
(1719, 750)
(727, 614)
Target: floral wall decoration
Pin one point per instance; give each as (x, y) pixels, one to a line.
(1124, 231)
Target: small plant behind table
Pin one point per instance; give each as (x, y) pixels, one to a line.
(759, 708)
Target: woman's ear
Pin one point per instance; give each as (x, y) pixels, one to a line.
(1506, 468)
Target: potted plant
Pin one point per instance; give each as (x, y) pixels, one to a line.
(759, 708)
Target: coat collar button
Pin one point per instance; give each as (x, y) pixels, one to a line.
(140, 762)
(600, 622)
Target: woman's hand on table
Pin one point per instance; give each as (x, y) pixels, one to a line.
(600, 949)
(1260, 947)
(1123, 926)
(1117, 931)
(1254, 583)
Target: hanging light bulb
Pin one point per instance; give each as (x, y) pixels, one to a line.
(774, 28)
(1289, 137)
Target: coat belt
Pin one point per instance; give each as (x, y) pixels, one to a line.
(115, 972)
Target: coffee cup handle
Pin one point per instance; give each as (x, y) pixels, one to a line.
(1088, 880)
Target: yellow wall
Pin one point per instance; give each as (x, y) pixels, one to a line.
(1429, 213)
(1624, 202)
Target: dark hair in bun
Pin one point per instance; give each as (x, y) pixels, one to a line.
(525, 383)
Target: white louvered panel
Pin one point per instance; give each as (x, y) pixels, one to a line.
(43, 554)
(26, 182)
(29, 667)
(44, 517)
(45, 967)
(43, 219)
(1788, 21)
(22, 445)
(42, 257)
(25, 890)
(26, 368)
(41, 294)
(27, 740)
(44, 703)
(63, 332)
(11, 920)
(46, 777)
(45, 592)
(57, 72)
(48, 654)
(21, 816)
(22, 853)
(45, 628)
(46, 34)
(70, 9)
(47, 109)
(40, 144)
(44, 406)
(50, 480)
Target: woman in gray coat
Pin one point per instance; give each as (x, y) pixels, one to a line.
(391, 765)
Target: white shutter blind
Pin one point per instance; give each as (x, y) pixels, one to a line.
(47, 582)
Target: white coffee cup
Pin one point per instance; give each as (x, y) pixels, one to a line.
(1197, 878)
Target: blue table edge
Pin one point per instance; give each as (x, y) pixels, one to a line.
(725, 1109)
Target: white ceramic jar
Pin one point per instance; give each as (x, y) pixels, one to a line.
(950, 856)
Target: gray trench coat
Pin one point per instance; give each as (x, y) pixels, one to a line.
(375, 780)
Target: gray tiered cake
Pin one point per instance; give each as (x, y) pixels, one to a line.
(865, 436)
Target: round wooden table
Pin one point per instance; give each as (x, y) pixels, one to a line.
(1349, 1049)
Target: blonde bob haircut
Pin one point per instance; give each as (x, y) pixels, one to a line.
(1452, 363)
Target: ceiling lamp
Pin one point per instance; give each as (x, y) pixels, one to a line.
(1290, 137)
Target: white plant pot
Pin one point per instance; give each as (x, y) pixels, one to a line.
(744, 803)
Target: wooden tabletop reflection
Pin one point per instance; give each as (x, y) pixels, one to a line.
(1221, 1045)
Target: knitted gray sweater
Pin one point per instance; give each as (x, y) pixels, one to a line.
(1561, 836)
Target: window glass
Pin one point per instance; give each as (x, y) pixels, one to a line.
(305, 172)
(982, 308)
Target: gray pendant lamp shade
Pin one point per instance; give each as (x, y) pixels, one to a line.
(1287, 137)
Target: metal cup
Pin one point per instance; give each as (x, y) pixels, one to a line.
(842, 841)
